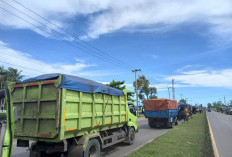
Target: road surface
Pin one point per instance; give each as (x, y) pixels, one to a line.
(221, 125)
(144, 135)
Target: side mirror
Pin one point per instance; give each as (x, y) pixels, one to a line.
(15, 114)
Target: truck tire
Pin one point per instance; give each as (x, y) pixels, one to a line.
(176, 122)
(151, 125)
(35, 154)
(169, 124)
(93, 149)
(131, 136)
(75, 151)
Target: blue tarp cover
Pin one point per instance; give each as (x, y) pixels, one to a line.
(76, 83)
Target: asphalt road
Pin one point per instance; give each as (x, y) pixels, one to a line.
(221, 125)
(145, 135)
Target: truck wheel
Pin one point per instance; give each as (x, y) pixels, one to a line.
(75, 151)
(176, 123)
(35, 154)
(92, 149)
(131, 135)
(151, 125)
(169, 124)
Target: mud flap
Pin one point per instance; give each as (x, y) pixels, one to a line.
(76, 150)
(35, 154)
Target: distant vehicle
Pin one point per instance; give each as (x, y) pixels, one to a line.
(223, 109)
(194, 110)
(181, 107)
(230, 112)
(200, 109)
(141, 109)
(161, 112)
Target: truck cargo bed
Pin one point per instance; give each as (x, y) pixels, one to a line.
(49, 113)
(161, 114)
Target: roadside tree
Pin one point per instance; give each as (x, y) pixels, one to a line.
(9, 75)
(121, 86)
(144, 89)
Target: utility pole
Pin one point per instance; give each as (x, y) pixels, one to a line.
(169, 92)
(225, 100)
(173, 90)
(220, 100)
(136, 88)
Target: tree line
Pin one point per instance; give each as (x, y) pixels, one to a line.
(218, 105)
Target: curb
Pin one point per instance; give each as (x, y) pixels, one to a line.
(216, 154)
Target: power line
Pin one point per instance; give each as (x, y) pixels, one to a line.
(212, 96)
(23, 67)
(69, 33)
(23, 59)
(83, 47)
(62, 39)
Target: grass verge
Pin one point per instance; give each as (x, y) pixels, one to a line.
(190, 139)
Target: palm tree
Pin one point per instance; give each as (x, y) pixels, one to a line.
(14, 75)
(9, 75)
(2, 76)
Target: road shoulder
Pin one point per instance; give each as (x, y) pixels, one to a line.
(216, 154)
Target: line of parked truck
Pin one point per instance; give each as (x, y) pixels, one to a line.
(69, 115)
(165, 112)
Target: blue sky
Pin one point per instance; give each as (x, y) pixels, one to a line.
(188, 41)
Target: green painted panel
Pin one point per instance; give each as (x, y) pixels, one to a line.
(98, 112)
(36, 104)
(52, 116)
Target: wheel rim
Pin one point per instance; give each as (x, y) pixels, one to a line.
(93, 151)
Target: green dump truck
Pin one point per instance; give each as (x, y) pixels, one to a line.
(70, 115)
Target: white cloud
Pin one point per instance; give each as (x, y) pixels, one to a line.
(31, 66)
(107, 16)
(204, 78)
(154, 56)
(3, 43)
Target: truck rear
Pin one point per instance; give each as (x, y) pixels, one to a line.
(161, 112)
(70, 115)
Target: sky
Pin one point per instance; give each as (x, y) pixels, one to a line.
(188, 41)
